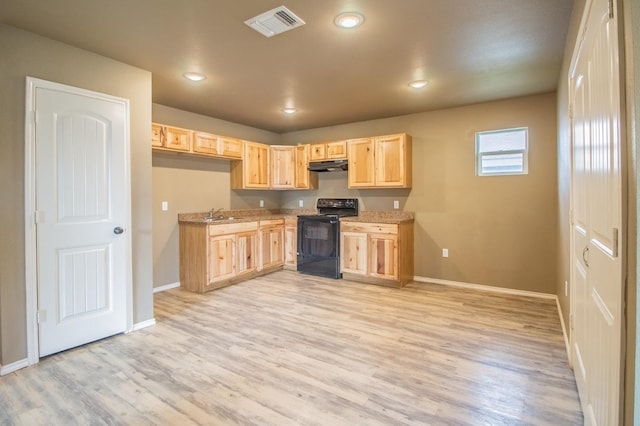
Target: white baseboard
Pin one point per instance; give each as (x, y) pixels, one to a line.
(166, 287)
(482, 287)
(144, 324)
(564, 332)
(14, 366)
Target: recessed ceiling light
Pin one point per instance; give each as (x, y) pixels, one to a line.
(289, 110)
(349, 19)
(418, 84)
(194, 76)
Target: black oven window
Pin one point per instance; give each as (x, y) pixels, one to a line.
(320, 239)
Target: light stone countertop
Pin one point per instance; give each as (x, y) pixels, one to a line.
(250, 215)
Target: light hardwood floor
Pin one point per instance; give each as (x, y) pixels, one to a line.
(289, 349)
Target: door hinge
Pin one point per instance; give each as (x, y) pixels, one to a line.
(41, 316)
(615, 242)
(38, 217)
(571, 322)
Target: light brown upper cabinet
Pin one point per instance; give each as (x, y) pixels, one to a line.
(283, 166)
(328, 151)
(173, 138)
(219, 146)
(290, 168)
(253, 172)
(380, 162)
(303, 178)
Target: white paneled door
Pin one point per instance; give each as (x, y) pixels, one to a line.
(596, 252)
(82, 215)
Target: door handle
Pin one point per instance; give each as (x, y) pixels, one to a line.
(117, 230)
(585, 252)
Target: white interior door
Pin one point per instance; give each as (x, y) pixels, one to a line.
(82, 202)
(597, 277)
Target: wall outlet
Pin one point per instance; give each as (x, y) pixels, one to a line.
(261, 203)
(396, 204)
(300, 203)
(566, 289)
(445, 252)
(165, 206)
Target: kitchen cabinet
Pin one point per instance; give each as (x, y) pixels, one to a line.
(291, 242)
(253, 171)
(290, 168)
(303, 178)
(380, 162)
(218, 146)
(283, 167)
(217, 255)
(378, 253)
(170, 138)
(328, 151)
(271, 240)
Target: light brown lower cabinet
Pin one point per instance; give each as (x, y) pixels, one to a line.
(291, 243)
(217, 255)
(377, 253)
(271, 244)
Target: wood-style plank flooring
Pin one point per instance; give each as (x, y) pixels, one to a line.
(290, 349)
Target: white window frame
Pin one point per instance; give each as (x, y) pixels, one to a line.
(524, 152)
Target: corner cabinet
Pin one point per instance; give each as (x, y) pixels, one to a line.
(380, 162)
(377, 253)
(253, 172)
(214, 256)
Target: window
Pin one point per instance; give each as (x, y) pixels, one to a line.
(502, 152)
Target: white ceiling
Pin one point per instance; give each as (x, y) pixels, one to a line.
(470, 51)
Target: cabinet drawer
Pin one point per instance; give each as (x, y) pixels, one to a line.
(271, 223)
(233, 228)
(369, 228)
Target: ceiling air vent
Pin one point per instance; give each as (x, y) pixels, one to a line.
(275, 21)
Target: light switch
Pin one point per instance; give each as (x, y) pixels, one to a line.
(300, 203)
(445, 252)
(396, 204)
(165, 206)
(261, 203)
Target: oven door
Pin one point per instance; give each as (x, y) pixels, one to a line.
(319, 246)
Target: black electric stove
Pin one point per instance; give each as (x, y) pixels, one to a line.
(319, 237)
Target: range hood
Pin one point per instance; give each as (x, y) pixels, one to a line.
(328, 166)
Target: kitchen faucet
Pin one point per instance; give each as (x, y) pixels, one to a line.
(213, 212)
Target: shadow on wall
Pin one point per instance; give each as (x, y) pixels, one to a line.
(168, 256)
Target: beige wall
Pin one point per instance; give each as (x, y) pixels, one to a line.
(500, 231)
(25, 54)
(192, 184)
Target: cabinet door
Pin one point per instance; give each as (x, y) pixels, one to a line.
(178, 139)
(303, 178)
(318, 152)
(336, 150)
(157, 134)
(391, 165)
(272, 247)
(290, 246)
(205, 143)
(383, 256)
(247, 256)
(256, 165)
(282, 167)
(230, 147)
(353, 256)
(222, 251)
(361, 164)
